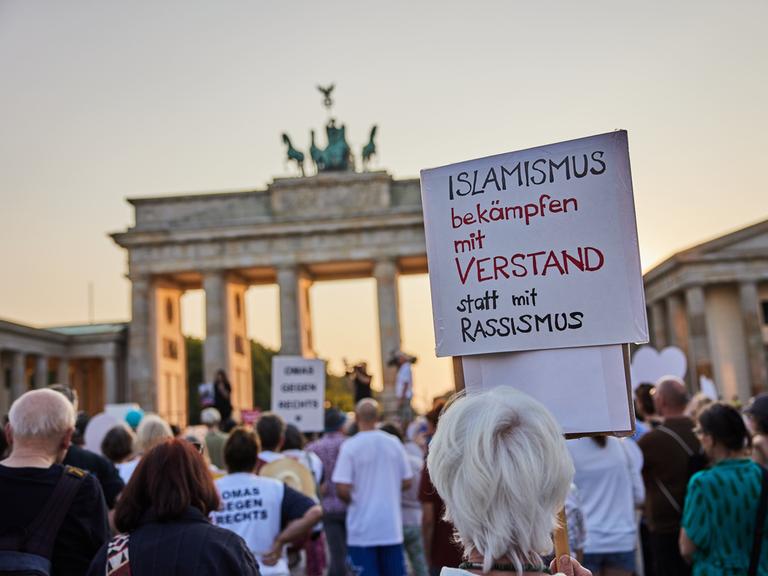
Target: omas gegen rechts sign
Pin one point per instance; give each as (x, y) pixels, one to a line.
(298, 391)
(535, 249)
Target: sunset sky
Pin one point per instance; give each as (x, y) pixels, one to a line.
(105, 99)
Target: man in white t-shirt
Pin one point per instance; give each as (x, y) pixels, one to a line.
(371, 472)
(265, 512)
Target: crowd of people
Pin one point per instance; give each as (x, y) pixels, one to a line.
(474, 486)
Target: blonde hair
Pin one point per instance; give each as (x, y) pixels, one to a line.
(151, 431)
(499, 461)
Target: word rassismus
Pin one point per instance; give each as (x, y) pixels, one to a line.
(505, 326)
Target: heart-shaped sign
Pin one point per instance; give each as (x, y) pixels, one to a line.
(648, 365)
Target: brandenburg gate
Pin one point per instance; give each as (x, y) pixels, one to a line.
(329, 226)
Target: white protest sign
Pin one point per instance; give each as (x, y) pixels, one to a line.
(298, 391)
(586, 389)
(535, 249)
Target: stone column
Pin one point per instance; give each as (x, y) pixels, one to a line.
(699, 358)
(659, 325)
(62, 372)
(676, 323)
(110, 380)
(141, 344)
(386, 274)
(215, 345)
(41, 371)
(750, 313)
(18, 369)
(295, 318)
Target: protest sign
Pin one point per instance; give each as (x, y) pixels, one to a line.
(586, 389)
(535, 249)
(298, 391)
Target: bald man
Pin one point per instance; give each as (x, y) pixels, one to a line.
(41, 500)
(370, 474)
(669, 453)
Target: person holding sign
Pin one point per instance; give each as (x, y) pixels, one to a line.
(499, 461)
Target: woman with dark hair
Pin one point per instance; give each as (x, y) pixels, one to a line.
(117, 444)
(163, 519)
(720, 513)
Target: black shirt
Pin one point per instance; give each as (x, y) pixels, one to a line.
(103, 469)
(189, 545)
(24, 492)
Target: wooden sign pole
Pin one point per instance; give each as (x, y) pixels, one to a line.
(458, 374)
(561, 536)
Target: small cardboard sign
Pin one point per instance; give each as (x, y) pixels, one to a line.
(298, 391)
(535, 249)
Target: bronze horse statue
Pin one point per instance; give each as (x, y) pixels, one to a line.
(294, 154)
(369, 150)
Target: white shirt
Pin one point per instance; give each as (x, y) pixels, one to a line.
(268, 456)
(404, 381)
(309, 459)
(411, 504)
(375, 464)
(250, 507)
(610, 486)
(126, 469)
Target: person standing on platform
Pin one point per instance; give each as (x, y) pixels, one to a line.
(371, 473)
(670, 455)
(361, 381)
(404, 385)
(222, 395)
(334, 508)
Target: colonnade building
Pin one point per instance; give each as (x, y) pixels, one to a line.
(712, 302)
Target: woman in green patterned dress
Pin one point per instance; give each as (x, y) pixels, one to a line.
(721, 502)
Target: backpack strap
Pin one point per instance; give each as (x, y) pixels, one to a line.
(42, 532)
(757, 542)
(676, 436)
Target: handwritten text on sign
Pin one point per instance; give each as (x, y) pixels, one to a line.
(535, 249)
(298, 391)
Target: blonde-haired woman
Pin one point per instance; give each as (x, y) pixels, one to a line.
(152, 431)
